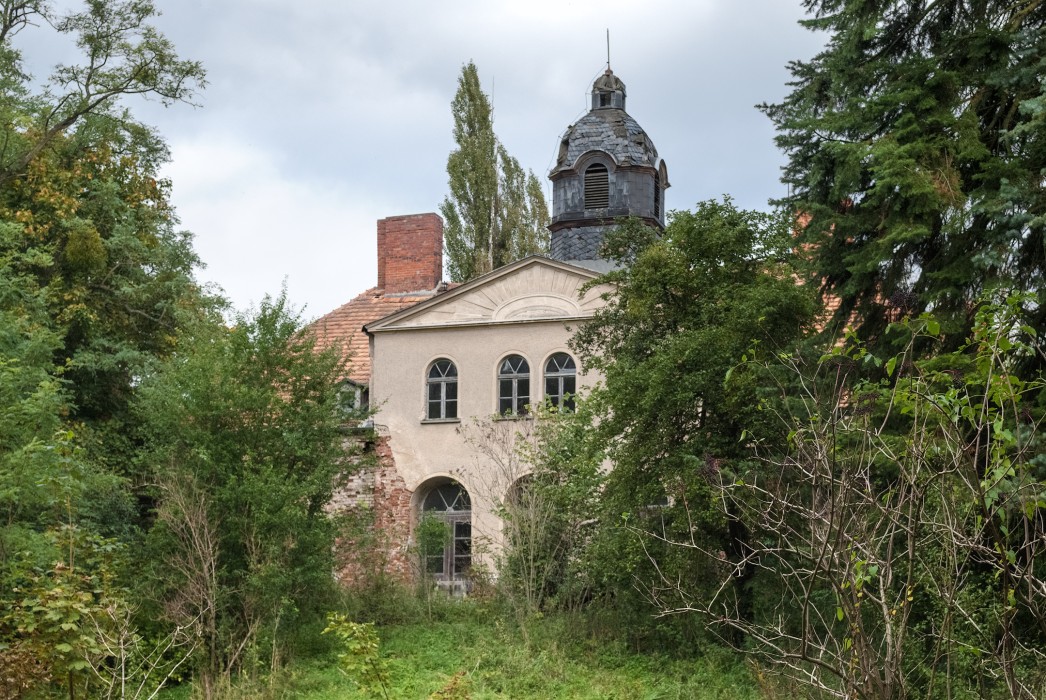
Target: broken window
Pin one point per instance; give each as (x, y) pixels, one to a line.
(561, 381)
(451, 503)
(442, 390)
(513, 386)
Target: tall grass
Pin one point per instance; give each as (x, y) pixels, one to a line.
(451, 649)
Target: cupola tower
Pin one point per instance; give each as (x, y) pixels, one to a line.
(607, 168)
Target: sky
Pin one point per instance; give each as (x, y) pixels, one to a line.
(323, 116)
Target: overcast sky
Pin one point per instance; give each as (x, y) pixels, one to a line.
(323, 116)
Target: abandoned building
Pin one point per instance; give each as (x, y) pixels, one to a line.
(451, 371)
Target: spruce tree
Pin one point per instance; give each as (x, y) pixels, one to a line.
(496, 212)
(917, 148)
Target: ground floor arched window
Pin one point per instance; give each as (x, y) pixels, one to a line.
(449, 502)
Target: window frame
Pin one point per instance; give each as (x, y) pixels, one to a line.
(443, 380)
(455, 561)
(560, 376)
(516, 409)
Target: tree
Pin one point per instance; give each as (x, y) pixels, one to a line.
(78, 175)
(245, 438)
(123, 55)
(916, 146)
(495, 212)
(686, 310)
(901, 533)
(95, 285)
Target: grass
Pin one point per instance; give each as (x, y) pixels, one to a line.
(473, 655)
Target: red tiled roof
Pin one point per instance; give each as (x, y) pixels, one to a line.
(343, 327)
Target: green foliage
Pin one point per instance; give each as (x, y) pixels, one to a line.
(899, 537)
(431, 535)
(679, 402)
(549, 513)
(916, 148)
(495, 212)
(358, 657)
(122, 55)
(245, 439)
(472, 651)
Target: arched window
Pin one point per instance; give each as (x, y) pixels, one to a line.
(449, 503)
(561, 381)
(442, 390)
(597, 187)
(513, 386)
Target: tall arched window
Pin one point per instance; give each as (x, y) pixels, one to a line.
(450, 503)
(561, 381)
(442, 390)
(597, 187)
(513, 386)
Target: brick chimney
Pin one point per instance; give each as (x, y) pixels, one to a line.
(410, 253)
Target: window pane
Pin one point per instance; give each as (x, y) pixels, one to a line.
(452, 390)
(505, 405)
(505, 389)
(569, 385)
(552, 390)
(434, 391)
(452, 409)
(523, 390)
(433, 410)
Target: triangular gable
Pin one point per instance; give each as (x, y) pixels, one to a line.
(535, 288)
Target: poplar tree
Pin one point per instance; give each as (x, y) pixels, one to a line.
(495, 212)
(917, 144)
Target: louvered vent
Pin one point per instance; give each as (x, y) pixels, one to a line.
(597, 187)
(657, 197)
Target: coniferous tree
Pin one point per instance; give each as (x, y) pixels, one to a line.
(916, 146)
(496, 212)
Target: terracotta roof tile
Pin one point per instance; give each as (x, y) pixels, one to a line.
(343, 327)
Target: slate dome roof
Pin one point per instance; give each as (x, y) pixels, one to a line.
(607, 129)
(612, 131)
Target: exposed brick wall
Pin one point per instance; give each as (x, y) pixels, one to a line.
(410, 253)
(377, 543)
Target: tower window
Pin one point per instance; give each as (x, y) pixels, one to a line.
(561, 381)
(513, 386)
(597, 187)
(442, 391)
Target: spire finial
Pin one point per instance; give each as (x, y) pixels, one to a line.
(608, 48)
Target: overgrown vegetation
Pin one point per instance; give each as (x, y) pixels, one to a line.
(472, 649)
(860, 514)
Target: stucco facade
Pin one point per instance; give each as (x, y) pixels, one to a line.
(453, 372)
(527, 309)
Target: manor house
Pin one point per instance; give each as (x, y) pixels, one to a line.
(451, 371)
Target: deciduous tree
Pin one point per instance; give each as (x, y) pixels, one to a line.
(688, 306)
(246, 440)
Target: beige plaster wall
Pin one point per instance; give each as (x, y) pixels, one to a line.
(425, 450)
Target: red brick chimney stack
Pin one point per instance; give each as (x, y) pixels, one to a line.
(410, 253)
